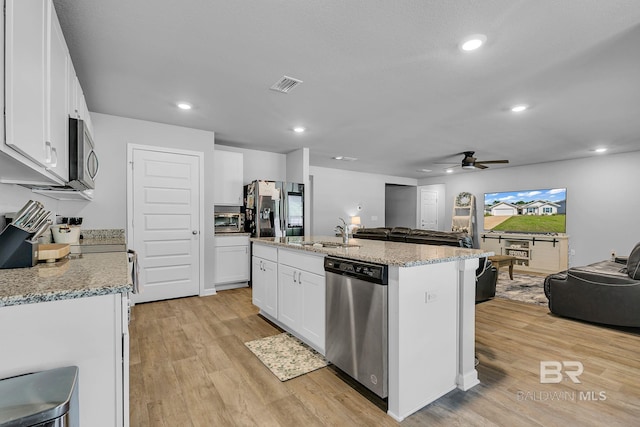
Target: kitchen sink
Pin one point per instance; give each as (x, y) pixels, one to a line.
(331, 244)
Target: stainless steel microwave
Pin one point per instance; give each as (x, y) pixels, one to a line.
(83, 161)
(228, 222)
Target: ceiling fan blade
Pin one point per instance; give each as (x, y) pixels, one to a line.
(481, 166)
(491, 161)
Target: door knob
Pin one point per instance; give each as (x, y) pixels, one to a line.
(194, 232)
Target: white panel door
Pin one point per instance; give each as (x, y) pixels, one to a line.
(166, 218)
(428, 210)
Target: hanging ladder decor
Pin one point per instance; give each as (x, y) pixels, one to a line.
(463, 218)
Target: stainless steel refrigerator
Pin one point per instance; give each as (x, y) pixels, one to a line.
(274, 209)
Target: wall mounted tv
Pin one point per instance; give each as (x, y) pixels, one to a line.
(529, 211)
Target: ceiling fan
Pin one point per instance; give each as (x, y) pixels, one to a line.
(470, 162)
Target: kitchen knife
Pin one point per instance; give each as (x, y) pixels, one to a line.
(24, 209)
(27, 218)
(20, 221)
(40, 231)
(40, 220)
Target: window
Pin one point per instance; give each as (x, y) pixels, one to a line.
(547, 210)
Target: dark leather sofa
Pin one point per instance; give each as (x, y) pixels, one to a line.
(486, 274)
(605, 292)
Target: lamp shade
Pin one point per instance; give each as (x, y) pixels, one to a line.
(355, 220)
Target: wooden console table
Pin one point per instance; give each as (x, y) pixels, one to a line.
(535, 253)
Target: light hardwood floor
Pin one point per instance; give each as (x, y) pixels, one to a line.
(189, 367)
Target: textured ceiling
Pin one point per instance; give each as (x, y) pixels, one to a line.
(384, 81)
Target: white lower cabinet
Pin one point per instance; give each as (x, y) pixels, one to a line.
(231, 261)
(289, 286)
(301, 295)
(302, 303)
(91, 333)
(265, 285)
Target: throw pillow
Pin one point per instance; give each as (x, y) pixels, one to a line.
(633, 264)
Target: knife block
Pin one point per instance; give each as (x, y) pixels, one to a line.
(16, 248)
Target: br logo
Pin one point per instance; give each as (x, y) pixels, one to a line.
(551, 371)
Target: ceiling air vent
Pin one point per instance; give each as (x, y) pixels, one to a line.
(285, 84)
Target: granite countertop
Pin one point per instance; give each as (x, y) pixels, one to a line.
(88, 241)
(78, 276)
(378, 251)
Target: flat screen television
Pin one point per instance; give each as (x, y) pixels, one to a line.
(541, 211)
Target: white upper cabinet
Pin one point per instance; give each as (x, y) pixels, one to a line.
(41, 93)
(228, 175)
(25, 78)
(57, 127)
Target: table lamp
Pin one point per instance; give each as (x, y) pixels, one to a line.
(355, 223)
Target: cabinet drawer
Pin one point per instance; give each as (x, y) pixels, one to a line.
(302, 261)
(231, 241)
(266, 252)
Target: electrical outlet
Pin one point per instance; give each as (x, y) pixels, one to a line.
(430, 297)
(572, 252)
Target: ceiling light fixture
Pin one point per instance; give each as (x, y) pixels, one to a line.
(600, 150)
(473, 42)
(423, 170)
(345, 158)
(184, 105)
(299, 129)
(519, 108)
(449, 170)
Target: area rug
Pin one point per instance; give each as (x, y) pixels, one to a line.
(286, 356)
(524, 287)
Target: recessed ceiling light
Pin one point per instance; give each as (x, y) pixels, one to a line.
(345, 158)
(600, 150)
(184, 105)
(519, 108)
(449, 170)
(473, 42)
(299, 129)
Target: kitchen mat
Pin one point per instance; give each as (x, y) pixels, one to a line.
(286, 356)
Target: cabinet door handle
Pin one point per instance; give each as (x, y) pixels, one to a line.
(294, 277)
(299, 277)
(54, 157)
(47, 152)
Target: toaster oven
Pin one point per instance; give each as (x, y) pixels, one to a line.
(228, 222)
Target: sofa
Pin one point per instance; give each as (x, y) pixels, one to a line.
(486, 274)
(606, 292)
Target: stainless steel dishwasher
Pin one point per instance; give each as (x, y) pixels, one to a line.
(356, 328)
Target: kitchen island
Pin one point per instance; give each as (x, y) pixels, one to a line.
(73, 312)
(431, 307)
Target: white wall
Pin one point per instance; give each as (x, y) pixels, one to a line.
(337, 193)
(400, 206)
(13, 197)
(260, 164)
(602, 198)
(111, 135)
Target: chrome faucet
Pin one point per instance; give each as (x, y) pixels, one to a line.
(343, 230)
